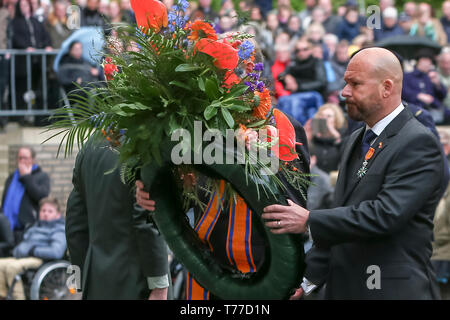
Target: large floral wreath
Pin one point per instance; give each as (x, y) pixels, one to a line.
(165, 75)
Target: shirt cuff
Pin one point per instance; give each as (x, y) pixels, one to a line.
(158, 282)
(307, 286)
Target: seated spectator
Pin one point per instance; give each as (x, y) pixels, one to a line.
(256, 16)
(350, 26)
(74, 69)
(331, 41)
(320, 192)
(444, 74)
(23, 190)
(304, 73)
(315, 34)
(317, 16)
(306, 13)
(284, 13)
(264, 5)
(269, 32)
(45, 240)
(339, 64)
(327, 138)
(426, 25)
(282, 54)
(330, 21)
(406, 18)
(423, 87)
(390, 26)
(445, 19)
(226, 24)
(127, 13)
(204, 12)
(294, 28)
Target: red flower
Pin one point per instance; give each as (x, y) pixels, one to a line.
(230, 79)
(110, 69)
(150, 14)
(285, 148)
(226, 57)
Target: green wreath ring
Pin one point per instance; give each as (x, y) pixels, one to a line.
(283, 266)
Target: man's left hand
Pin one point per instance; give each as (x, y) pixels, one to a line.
(158, 294)
(286, 219)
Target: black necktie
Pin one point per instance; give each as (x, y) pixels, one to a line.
(369, 136)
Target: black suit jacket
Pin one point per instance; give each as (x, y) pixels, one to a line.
(384, 218)
(113, 244)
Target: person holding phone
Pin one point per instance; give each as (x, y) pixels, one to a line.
(327, 128)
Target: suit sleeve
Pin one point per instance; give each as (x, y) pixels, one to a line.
(77, 229)
(317, 265)
(402, 195)
(152, 248)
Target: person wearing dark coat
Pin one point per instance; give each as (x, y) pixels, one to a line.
(376, 241)
(117, 248)
(73, 69)
(26, 32)
(350, 25)
(90, 16)
(389, 27)
(423, 87)
(305, 72)
(23, 190)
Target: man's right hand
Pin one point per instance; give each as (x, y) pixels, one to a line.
(143, 198)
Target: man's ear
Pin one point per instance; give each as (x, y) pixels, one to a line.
(388, 87)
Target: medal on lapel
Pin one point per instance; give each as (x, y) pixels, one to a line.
(362, 171)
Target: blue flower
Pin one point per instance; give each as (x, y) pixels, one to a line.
(250, 86)
(245, 50)
(260, 86)
(176, 21)
(254, 76)
(259, 66)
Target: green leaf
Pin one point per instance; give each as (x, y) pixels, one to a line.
(210, 112)
(187, 67)
(180, 84)
(228, 117)
(212, 89)
(201, 84)
(238, 108)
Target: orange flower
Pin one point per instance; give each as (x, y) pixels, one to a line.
(264, 104)
(150, 14)
(285, 148)
(226, 57)
(201, 29)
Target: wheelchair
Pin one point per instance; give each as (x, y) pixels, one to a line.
(48, 282)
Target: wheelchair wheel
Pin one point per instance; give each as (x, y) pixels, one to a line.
(49, 282)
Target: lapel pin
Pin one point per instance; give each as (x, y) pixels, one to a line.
(362, 171)
(380, 145)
